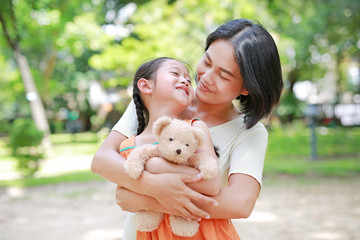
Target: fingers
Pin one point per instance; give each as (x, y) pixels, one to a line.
(190, 178)
(191, 212)
(183, 212)
(198, 197)
(197, 213)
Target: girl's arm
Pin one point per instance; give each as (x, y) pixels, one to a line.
(168, 189)
(212, 186)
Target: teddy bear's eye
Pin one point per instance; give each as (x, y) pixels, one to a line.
(170, 139)
(187, 144)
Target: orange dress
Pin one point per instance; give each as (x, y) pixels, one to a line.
(209, 229)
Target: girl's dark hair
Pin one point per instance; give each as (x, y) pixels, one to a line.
(259, 63)
(148, 71)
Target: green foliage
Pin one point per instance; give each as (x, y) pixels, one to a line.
(67, 46)
(290, 107)
(323, 37)
(176, 29)
(25, 139)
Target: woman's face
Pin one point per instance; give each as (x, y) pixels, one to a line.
(218, 75)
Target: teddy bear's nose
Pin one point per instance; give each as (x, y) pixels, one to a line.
(178, 151)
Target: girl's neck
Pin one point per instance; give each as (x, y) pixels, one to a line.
(147, 135)
(160, 112)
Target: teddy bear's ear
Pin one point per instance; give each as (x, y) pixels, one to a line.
(160, 124)
(199, 135)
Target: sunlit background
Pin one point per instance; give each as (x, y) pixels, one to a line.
(66, 70)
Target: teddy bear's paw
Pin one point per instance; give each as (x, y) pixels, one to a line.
(147, 221)
(182, 227)
(133, 169)
(210, 171)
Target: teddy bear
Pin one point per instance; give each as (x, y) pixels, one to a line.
(178, 141)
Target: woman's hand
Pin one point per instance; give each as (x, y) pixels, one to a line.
(131, 201)
(172, 192)
(167, 193)
(158, 165)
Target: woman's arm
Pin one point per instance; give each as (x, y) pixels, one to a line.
(146, 202)
(235, 201)
(168, 189)
(238, 199)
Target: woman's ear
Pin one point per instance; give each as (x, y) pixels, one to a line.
(244, 92)
(144, 86)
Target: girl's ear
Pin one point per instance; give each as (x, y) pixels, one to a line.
(144, 86)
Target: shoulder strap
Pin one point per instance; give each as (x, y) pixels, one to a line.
(194, 120)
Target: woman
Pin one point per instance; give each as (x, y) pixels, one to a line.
(241, 62)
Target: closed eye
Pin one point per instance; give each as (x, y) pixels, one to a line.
(223, 76)
(207, 60)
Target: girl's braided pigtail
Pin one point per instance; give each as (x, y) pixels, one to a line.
(139, 110)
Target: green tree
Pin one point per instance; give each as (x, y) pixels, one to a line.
(41, 30)
(319, 37)
(25, 139)
(168, 28)
(8, 21)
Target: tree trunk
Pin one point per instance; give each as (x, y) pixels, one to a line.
(36, 106)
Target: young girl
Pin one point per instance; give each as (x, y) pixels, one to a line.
(241, 62)
(165, 80)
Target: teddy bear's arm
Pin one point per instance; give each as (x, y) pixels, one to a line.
(206, 164)
(135, 163)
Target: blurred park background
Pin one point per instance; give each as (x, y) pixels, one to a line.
(67, 65)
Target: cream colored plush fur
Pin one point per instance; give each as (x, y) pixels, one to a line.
(178, 142)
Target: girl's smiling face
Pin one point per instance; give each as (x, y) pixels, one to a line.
(218, 75)
(173, 81)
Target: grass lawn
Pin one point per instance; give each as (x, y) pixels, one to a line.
(288, 153)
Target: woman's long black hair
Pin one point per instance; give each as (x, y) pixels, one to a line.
(258, 59)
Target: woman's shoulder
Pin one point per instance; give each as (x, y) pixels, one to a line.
(238, 127)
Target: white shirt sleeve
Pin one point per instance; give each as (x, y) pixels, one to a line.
(128, 122)
(249, 153)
